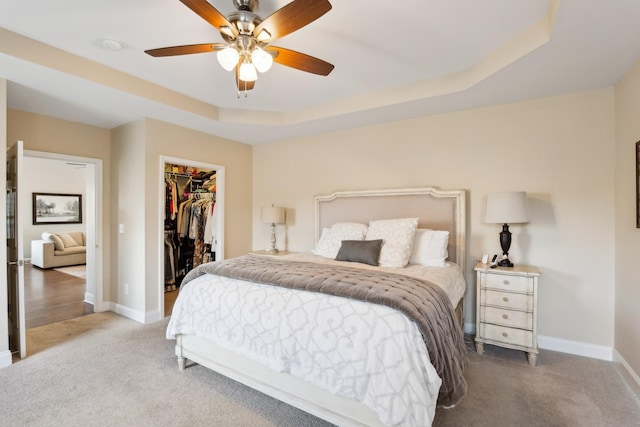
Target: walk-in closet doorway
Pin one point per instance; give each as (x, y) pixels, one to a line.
(182, 182)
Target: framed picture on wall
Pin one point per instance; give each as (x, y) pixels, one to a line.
(638, 184)
(54, 208)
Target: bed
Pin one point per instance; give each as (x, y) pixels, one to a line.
(345, 360)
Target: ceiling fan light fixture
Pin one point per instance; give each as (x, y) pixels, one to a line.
(248, 72)
(225, 29)
(228, 58)
(264, 36)
(247, 37)
(261, 60)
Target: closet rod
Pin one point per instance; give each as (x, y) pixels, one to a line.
(202, 195)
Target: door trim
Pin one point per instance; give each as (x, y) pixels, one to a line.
(15, 262)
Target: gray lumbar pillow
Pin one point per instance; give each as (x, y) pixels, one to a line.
(364, 251)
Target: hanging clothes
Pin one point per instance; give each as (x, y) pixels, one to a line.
(202, 208)
(170, 206)
(190, 223)
(170, 258)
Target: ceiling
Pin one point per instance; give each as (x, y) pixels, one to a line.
(393, 60)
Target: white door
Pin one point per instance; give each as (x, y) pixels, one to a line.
(15, 257)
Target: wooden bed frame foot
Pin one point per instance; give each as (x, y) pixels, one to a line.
(182, 363)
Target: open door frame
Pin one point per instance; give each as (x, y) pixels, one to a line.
(220, 185)
(94, 224)
(16, 202)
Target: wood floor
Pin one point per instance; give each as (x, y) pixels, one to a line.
(169, 300)
(52, 296)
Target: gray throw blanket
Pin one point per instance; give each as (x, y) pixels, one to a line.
(421, 301)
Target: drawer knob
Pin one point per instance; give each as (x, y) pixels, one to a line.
(505, 299)
(504, 316)
(506, 282)
(504, 334)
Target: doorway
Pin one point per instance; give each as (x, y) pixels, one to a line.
(186, 171)
(52, 295)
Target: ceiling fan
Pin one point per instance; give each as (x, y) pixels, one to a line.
(248, 38)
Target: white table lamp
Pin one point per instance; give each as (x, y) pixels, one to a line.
(273, 215)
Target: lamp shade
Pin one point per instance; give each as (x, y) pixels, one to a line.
(272, 215)
(261, 60)
(248, 72)
(506, 208)
(228, 58)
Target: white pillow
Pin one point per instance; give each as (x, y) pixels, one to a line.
(430, 248)
(331, 239)
(398, 236)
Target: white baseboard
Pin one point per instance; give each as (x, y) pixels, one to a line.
(627, 372)
(89, 298)
(138, 316)
(128, 312)
(564, 346)
(576, 347)
(5, 359)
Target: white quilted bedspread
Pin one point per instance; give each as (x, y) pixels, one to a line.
(370, 353)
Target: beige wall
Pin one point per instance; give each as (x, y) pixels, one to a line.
(560, 150)
(41, 133)
(627, 320)
(168, 140)
(128, 252)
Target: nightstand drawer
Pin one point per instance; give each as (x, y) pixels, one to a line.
(508, 335)
(506, 300)
(508, 283)
(499, 316)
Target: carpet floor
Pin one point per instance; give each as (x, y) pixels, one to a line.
(103, 369)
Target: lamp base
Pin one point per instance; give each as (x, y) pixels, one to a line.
(505, 244)
(273, 249)
(505, 263)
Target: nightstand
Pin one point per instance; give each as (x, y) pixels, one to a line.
(264, 252)
(506, 308)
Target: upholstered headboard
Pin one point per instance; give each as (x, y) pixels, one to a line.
(435, 209)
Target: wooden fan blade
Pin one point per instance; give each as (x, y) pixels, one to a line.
(243, 85)
(300, 61)
(207, 12)
(292, 17)
(186, 50)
